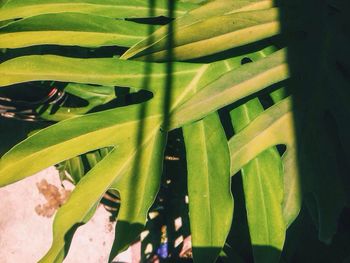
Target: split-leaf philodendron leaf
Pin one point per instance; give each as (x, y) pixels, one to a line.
(69, 29)
(121, 50)
(15, 9)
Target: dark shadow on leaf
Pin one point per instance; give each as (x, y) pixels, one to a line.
(68, 51)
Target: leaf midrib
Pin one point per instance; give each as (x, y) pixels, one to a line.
(191, 86)
(207, 178)
(265, 217)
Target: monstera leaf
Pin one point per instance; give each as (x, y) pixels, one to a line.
(15, 9)
(124, 140)
(240, 28)
(99, 130)
(90, 95)
(71, 29)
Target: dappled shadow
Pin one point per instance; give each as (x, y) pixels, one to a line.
(169, 214)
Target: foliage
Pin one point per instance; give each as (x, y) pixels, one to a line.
(140, 80)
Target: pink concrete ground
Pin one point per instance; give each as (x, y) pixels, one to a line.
(26, 236)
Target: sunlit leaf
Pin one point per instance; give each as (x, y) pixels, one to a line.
(115, 9)
(263, 190)
(210, 36)
(209, 187)
(72, 29)
(232, 86)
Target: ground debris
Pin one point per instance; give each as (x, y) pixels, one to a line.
(55, 198)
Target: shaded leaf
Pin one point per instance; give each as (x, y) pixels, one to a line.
(75, 169)
(93, 95)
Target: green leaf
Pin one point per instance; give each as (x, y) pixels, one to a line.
(75, 168)
(82, 134)
(115, 128)
(115, 9)
(91, 188)
(68, 139)
(261, 134)
(216, 8)
(263, 190)
(75, 212)
(263, 183)
(209, 187)
(272, 127)
(232, 86)
(97, 130)
(209, 36)
(130, 224)
(3, 2)
(138, 189)
(93, 95)
(208, 10)
(100, 71)
(72, 29)
(129, 228)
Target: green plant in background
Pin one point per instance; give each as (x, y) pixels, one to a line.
(139, 80)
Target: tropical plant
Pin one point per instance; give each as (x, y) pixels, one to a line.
(222, 71)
